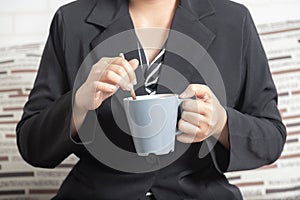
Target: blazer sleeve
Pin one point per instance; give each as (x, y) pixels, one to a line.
(43, 133)
(256, 132)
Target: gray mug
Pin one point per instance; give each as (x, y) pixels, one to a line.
(152, 120)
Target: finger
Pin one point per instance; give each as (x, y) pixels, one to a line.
(127, 67)
(106, 61)
(99, 67)
(198, 90)
(129, 70)
(120, 71)
(134, 63)
(104, 87)
(192, 131)
(185, 138)
(193, 118)
(187, 128)
(196, 106)
(113, 78)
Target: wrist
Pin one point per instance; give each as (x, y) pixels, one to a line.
(222, 125)
(223, 135)
(78, 109)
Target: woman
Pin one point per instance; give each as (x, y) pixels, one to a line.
(248, 131)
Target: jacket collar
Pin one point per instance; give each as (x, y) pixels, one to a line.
(105, 12)
(113, 16)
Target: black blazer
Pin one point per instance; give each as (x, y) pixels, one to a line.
(225, 29)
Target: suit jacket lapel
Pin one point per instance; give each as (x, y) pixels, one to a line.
(112, 17)
(176, 73)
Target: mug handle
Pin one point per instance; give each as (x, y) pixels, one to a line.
(179, 102)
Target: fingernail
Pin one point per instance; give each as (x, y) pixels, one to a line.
(134, 82)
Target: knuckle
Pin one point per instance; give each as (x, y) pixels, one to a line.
(95, 66)
(116, 59)
(183, 105)
(119, 70)
(104, 60)
(209, 110)
(102, 75)
(105, 87)
(93, 87)
(123, 63)
(207, 89)
(199, 132)
(206, 130)
(198, 105)
(204, 86)
(205, 121)
(105, 74)
(205, 134)
(211, 123)
(202, 132)
(184, 115)
(108, 74)
(199, 122)
(180, 124)
(193, 87)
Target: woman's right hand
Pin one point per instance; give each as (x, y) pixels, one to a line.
(104, 79)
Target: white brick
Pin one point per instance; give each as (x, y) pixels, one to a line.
(32, 23)
(23, 5)
(6, 24)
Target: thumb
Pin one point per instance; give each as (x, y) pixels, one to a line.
(134, 63)
(188, 92)
(200, 91)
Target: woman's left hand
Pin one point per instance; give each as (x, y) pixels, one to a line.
(201, 118)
